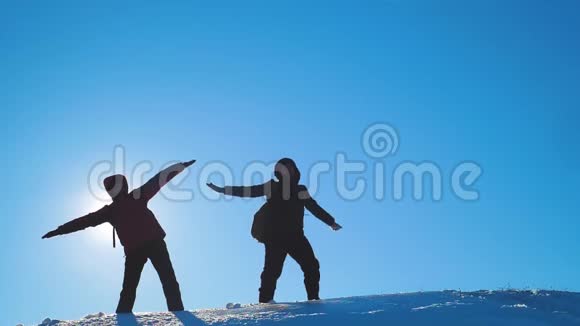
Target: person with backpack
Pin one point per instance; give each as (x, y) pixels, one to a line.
(279, 225)
(139, 232)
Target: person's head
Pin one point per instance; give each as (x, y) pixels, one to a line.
(116, 185)
(286, 171)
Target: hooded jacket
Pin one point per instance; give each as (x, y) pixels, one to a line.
(135, 223)
(286, 207)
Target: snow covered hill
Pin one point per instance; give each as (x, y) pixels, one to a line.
(513, 308)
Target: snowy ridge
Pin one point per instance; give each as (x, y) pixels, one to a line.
(528, 308)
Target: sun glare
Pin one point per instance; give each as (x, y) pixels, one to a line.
(102, 233)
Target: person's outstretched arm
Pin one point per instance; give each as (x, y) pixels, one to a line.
(90, 220)
(318, 211)
(152, 187)
(242, 191)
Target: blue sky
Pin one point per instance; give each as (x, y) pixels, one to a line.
(495, 83)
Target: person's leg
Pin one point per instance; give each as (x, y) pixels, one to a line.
(133, 267)
(162, 262)
(301, 251)
(273, 264)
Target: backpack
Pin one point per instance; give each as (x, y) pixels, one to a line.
(259, 226)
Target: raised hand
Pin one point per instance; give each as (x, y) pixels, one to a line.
(51, 234)
(188, 164)
(216, 188)
(336, 227)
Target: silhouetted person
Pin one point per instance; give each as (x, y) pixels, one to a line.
(139, 232)
(283, 230)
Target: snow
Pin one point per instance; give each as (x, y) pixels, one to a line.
(233, 306)
(517, 308)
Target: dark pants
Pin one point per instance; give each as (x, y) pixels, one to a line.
(134, 263)
(301, 251)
